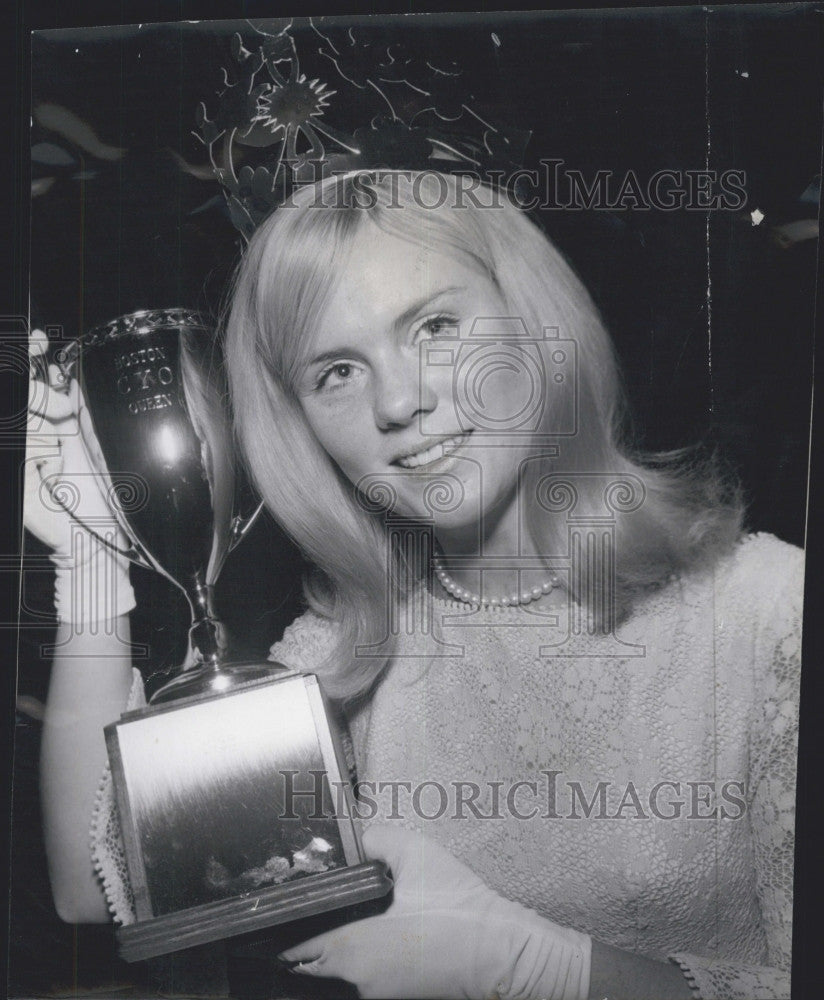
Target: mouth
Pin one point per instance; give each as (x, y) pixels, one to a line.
(432, 453)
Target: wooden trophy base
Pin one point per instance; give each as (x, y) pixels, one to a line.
(279, 904)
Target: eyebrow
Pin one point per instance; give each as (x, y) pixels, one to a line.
(400, 321)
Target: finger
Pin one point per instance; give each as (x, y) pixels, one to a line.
(38, 395)
(38, 343)
(419, 865)
(39, 516)
(53, 406)
(365, 952)
(38, 347)
(39, 445)
(58, 378)
(319, 948)
(313, 968)
(42, 453)
(329, 966)
(399, 848)
(306, 951)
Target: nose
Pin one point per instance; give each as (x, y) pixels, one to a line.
(401, 394)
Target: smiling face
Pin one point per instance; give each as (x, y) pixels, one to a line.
(372, 403)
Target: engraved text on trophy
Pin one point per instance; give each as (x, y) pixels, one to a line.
(143, 376)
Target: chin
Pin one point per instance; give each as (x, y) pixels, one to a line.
(447, 501)
(454, 499)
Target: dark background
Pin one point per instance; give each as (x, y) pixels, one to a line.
(617, 90)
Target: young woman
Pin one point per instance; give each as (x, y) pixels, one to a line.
(578, 749)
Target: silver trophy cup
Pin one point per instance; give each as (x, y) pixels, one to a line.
(159, 434)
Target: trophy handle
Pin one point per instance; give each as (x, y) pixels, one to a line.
(241, 525)
(133, 553)
(66, 361)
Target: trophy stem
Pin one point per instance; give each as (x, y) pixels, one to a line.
(209, 673)
(203, 633)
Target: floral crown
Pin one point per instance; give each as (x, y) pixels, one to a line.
(273, 120)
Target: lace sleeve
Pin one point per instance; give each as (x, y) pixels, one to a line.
(108, 854)
(306, 643)
(773, 760)
(713, 979)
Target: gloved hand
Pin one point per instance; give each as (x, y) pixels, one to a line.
(446, 935)
(92, 578)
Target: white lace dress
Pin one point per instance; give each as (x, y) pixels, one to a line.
(656, 768)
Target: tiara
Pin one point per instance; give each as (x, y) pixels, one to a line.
(272, 130)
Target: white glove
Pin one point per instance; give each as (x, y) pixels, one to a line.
(92, 579)
(447, 935)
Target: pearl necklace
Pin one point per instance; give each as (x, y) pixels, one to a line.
(468, 597)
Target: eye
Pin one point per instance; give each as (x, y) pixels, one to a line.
(337, 375)
(441, 325)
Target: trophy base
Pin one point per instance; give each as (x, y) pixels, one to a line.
(215, 680)
(232, 917)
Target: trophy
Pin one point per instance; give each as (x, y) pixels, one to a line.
(231, 786)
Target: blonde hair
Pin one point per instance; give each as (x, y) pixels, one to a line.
(688, 514)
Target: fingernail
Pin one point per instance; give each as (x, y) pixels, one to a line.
(286, 962)
(306, 967)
